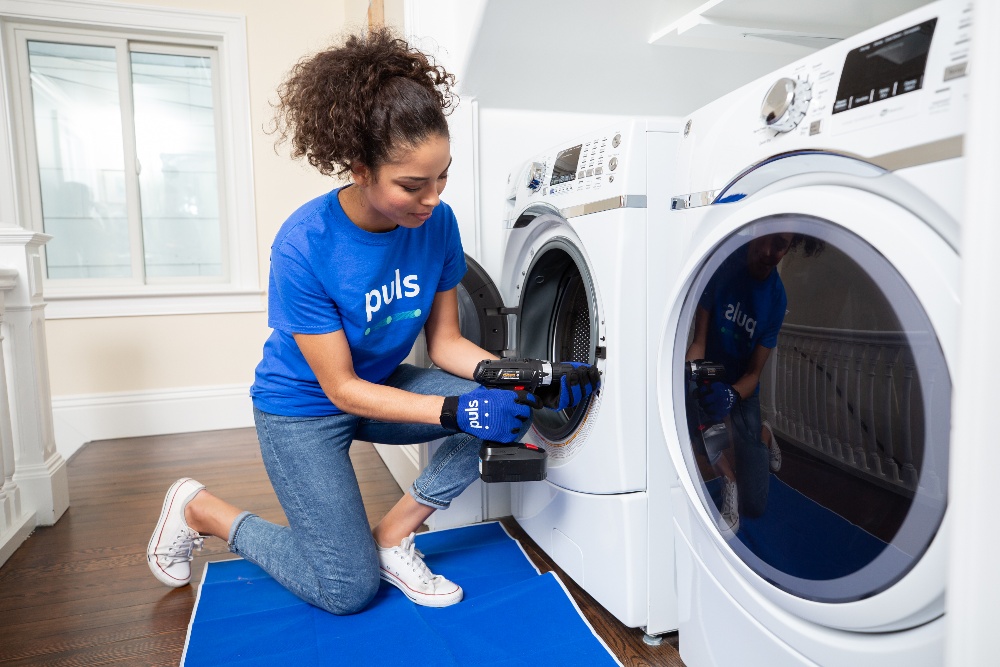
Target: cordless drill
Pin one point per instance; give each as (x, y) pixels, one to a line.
(713, 434)
(705, 372)
(515, 461)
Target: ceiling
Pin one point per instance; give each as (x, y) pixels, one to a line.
(647, 57)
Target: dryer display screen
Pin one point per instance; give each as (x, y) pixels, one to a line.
(564, 169)
(888, 67)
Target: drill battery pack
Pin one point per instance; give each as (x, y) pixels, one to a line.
(516, 462)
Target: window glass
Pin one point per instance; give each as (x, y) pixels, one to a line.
(78, 137)
(179, 181)
(130, 149)
(87, 177)
(817, 406)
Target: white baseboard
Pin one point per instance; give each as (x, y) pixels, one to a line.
(80, 419)
(15, 535)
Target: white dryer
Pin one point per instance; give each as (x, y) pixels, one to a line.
(854, 156)
(574, 289)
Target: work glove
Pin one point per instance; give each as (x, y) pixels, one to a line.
(576, 382)
(489, 414)
(717, 400)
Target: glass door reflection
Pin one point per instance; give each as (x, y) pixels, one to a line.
(817, 405)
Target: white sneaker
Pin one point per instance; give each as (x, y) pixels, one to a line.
(169, 551)
(403, 567)
(730, 506)
(774, 452)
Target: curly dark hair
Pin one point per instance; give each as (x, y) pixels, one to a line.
(361, 102)
(811, 246)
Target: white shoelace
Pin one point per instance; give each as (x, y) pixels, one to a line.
(729, 504)
(414, 559)
(180, 551)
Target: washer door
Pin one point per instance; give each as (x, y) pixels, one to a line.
(843, 311)
(557, 320)
(577, 302)
(481, 314)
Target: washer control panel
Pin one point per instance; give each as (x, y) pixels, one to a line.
(585, 165)
(604, 169)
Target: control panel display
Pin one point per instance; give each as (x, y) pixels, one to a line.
(564, 169)
(891, 66)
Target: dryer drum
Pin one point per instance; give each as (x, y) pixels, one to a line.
(571, 325)
(855, 393)
(558, 322)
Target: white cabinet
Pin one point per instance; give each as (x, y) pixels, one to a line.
(772, 26)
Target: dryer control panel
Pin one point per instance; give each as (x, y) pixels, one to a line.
(893, 95)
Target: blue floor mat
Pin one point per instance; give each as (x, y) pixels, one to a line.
(801, 538)
(511, 615)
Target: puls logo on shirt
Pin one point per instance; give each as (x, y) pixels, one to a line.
(399, 288)
(378, 297)
(740, 318)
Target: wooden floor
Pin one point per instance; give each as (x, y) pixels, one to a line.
(80, 592)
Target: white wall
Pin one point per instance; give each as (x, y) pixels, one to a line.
(974, 579)
(446, 30)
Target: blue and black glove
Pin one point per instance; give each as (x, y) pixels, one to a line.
(489, 414)
(717, 399)
(576, 382)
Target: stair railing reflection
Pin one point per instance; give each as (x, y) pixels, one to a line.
(849, 397)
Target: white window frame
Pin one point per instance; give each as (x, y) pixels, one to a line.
(227, 32)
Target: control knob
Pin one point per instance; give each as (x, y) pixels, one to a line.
(785, 104)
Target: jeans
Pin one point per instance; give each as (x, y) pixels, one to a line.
(326, 555)
(752, 457)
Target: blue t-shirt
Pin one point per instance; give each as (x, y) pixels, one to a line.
(743, 313)
(329, 274)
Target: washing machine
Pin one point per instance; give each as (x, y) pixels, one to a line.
(822, 207)
(573, 288)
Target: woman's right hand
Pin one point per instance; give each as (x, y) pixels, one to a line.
(489, 414)
(577, 381)
(717, 400)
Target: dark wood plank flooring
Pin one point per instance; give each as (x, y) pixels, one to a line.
(80, 592)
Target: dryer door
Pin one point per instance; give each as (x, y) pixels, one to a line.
(481, 314)
(831, 314)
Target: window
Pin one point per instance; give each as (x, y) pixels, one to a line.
(133, 154)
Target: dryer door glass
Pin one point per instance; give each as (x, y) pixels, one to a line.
(558, 322)
(817, 406)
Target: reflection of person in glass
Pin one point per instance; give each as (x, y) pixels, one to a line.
(736, 324)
